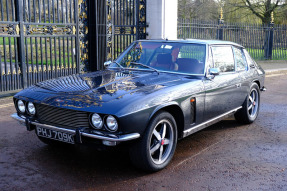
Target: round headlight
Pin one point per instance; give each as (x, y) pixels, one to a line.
(31, 108)
(97, 121)
(21, 106)
(112, 123)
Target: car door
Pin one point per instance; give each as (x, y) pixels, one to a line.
(243, 71)
(221, 90)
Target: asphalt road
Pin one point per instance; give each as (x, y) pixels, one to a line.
(225, 156)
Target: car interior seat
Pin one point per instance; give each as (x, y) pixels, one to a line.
(164, 61)
(190, 65)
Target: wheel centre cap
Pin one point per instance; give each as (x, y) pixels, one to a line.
(254, 103)
(162, 142)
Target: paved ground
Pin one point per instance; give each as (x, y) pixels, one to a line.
(274, 66)
(226, 156)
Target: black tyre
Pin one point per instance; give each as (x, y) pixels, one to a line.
(155, 149)
(250, 107)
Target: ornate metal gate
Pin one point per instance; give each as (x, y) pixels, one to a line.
(113, 25)
(38, 41)
(129, 22)
(44, 39)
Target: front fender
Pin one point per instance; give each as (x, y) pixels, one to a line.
(159, 107)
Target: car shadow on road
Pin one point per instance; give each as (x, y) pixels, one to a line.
(201, 140)
(229, 123)
(85, 166)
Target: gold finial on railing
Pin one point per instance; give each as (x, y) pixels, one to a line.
(221, 14)
(272, 18)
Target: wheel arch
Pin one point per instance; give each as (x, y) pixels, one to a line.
(175, 110)
(257, 82)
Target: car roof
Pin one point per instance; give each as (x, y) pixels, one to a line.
(198, 41)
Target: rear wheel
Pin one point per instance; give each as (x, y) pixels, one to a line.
(250, 107)
(155, 149)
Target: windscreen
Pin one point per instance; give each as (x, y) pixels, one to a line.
(164, 56)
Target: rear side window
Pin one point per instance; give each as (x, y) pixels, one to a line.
(248, 58)
(223, 58)
(239, 58)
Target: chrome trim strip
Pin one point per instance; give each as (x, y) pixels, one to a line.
(209, 122)
(121, 138)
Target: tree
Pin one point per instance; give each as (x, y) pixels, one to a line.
(260, 8)
(251, 11)
(235, 11)
(280, 16)
(198, 9)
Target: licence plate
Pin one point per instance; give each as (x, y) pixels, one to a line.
(56, 135)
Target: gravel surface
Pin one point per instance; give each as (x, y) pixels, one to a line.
(225, 156)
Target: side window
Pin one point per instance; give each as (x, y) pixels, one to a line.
(240, 60)
(248, 58)
(223, 58)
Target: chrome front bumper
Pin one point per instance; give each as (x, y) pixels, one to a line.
(80, 132)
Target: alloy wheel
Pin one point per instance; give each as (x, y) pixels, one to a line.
(253, 101)
(161, 141)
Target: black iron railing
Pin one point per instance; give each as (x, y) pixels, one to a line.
(262, 41)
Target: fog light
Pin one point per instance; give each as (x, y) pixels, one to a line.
(21, 106)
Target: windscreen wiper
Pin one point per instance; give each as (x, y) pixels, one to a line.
(135, 63)
(118, 64)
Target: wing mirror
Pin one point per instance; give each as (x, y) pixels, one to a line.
(214, 71)
(107, 63)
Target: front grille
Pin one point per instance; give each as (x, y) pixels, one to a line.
(62, 117)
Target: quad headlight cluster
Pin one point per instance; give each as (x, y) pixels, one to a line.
(97, 122)
(23, 107)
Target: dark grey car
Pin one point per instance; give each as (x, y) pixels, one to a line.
(153, 94)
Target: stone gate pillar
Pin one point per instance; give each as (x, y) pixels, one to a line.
(162, 19)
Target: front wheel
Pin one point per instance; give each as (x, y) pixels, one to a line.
(155, 149)
(250, 108)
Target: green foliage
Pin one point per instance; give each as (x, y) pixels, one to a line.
(258, 54)
(234, 11)
(198, 9)
(255, 12)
